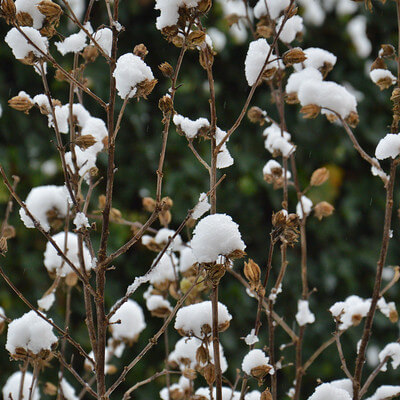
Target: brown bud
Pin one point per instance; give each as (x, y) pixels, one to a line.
(149, 204)
(9, 232)
(21, 103)
(291, 98)
(8, 10)
(51, 10)
(85, 141)
(165, 104)
(269, 72)
(209, 373)
(294, 56)
(111, 369)
(310, 111)
(71, 279)
(166, 69)
(141, 51)
(24, 19)
(168, 203)
(319, 176)
(378, 64)
(165, 218)
(252, 271)
(323, 209)
(266, 395)
(90, 53)
(387, 51)
(60, 76)
(115, 214)
(202, 355)
(260, 371)
(3, 245)
(50, 389)
(256, 115)
(145, 87)
(264, 31)
(393, 316)
(352, 119)
(195, 38)
(161, 312)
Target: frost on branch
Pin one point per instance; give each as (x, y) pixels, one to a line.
(12, 387)
(216, 235)
(304, 315)
(256, 58)
(256, 364)
(131, 324)
(55, 264)
(31, 335)
(130, 72)
(385, 392)
(388, 147)
(46, 204)
(196, 319)
(391, 350)
(20, 46)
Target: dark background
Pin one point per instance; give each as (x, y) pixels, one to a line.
(342, 250)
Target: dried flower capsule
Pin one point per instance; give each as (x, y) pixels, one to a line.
(195, 38)
(294, 56)
(202, 355)
(149, 204)
(209, 373)
(166, 69)
(264, 31)
(387, 51)
(24, 19)
(252, 271)
(379, 63)
(204, 6)
(141, 51)
(8, 11)
(319, 176)
(323, 209)
(256, 115)
(353, 119)
(310, 111)
(145, 87)
(21, 103)
(85, 141)
(165, 104)
(90, 53)
(50, 10)
(266, 395)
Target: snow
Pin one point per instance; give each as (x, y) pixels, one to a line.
(156, 301)
(68, 390)
(305, 205)
(61, 116)
(103, 38)
(316, 58)
(132, 321)
(255, 358)
(85, 160)
(164, 234)
(253, 395)
(81, 221)
(40, 201)
(56, 264)
(377, 74)
(275, 142)
(386, 309)
(191, 319)
(304, 315)
(186, 260)
(78, 7)
(20, 46)
(292, 27)
(31, 333)
(216, 235)
(385, 392)
(350, 311)
(201, 207)
(255, 60)
(329, 391)
(275, 7)
(391, 350)
(130, 71)
(356, 29)
(46, 301)
(313, 13)
(224, 159)
(72, 44)
(169, 11)
(296, 79)
(328, 95)
(12, 386)
(30, 7)
(218, 38)
(271, 165)
(164, 270)
(92, 126)
(188, 127)
(251, 338)
(389, 146)
(344, 384)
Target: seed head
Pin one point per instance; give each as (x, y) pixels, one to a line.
(141, 51)
(323, 209)
(319, 176)
(256, 115)
(21, 103)
(310, 111)
(294, 56)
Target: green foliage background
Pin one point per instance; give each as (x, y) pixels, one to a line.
(342, 250)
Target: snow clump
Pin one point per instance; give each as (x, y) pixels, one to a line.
(329, 391)
(256, 360)
(391, 350)
(31, 333)
(305, 204)
(389, 146)
(196, 319)
(188, 127)
(351, 311)
(201, 207)
(21, 47)
(304, 315)
(216, 235)
(12, 387)
(385, 392)
(42, 201)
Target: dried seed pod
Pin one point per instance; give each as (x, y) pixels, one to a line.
(144, 88)
(149, 204)
(294, 56)
(71, 279)
(165, 104)
(393, 316)
(195, 38)
(9, 232)
(323, 209)
(50, 10)
(387, 51)
(252, 271)
(291, 98)
(204, 6)
(50, 389)
(165, 218)
(319, 176)
(260, 371)
(3, 245)
(379, 63)
(8, 11)
(266, 395)
(264, 31)
(352, 119)
(209, 373)
(256, 115)
(310, 111)
(24, 19)
(21, 103)
(141, 51)
(166, 69)
(90, 53)
(85, 141)
(202, 355)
